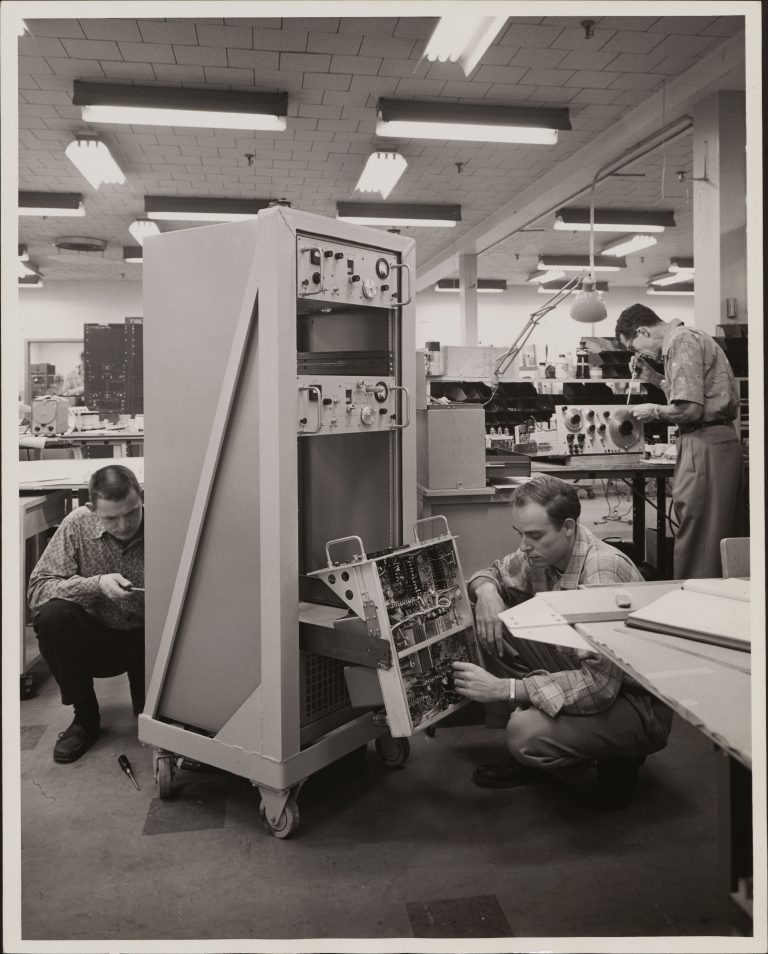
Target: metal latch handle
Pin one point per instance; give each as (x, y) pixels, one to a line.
(320, 289)
(313, 387)
(407, 396)
(437, 516)
(357, 558)
(402, 304)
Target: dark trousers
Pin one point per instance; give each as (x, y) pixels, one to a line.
(77, 647)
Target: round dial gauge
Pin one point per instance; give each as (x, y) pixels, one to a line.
(381, 391)
(367, 414)
(370, 288)
(382, 267)
(45, 412)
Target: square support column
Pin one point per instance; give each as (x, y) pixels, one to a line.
(468, 299)
(720, 208)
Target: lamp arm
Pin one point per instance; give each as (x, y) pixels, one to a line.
(528, 328)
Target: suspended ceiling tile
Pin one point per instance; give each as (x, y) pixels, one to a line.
(226, 36)
(147, 52)
(359, 65)
(646, 81)
(724, 26)
(57, 28)
(627, 23)
(112, 29)
(540, 77)
(637, 62)
(587, 60)
(316, 24)
(174, 31)
(392, 67)
(200, 55)
(630, 41)
(522, 34)
(572, 38)
(348, 43)
(170, 73)
(540, 57)
(92, 49)
(81, 69)
(685, 45)
(128, 71)
(597, 79)
(292, 39)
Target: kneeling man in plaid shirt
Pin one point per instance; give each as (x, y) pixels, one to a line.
(565, 709)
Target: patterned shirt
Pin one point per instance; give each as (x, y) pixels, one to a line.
(696, 369)
(579, 681)
(79, 553)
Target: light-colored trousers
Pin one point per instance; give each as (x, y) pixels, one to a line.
(708, 499)
(636, 725)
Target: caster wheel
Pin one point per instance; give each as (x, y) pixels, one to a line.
(286, 824)
(28, 687)
(164, 772)
(392, 752)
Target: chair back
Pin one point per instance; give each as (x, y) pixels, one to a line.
(734, 555)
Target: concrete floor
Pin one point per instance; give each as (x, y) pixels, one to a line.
(417, 851)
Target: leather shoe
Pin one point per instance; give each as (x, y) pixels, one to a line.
(74, 741)
(507, 774)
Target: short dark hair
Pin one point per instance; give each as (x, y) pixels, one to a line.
(113, 482)
(634, 317)
(559, 498)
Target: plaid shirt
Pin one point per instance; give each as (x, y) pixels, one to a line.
(79, 553)
(577, 681)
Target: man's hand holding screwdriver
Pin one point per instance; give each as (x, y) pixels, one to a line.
(116, 587)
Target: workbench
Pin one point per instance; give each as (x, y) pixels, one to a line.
(121, 442)
(710, 687)
(636, 473)
(41, 476)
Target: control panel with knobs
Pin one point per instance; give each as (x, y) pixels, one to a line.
(332, 271)
(336, 404)
(599, 429)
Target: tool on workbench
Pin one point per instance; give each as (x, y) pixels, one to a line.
(125, 765)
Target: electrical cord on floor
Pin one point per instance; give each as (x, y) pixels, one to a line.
(648, 500)
(613, 511)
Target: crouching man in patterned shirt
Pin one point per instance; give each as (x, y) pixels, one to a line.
(88, 617)
(565, 709)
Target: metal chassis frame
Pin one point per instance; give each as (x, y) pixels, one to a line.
(280, 765)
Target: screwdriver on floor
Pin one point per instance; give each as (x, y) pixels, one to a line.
(125, 765)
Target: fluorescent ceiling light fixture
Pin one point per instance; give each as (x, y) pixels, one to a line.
(575, 263)
(399, 213)
(21, 29)
(625, 246)
(673, 278)
(133, 254)
(51, 203)
(485, 286)
(31, 281)
(463, 39)
(481, 123)
(681, 265)
(94, 161)
(382, 170)
(143, 228)
(170, 106)
(551, 287)
(547, 275)
(190, 209)
(614, 220)
(686, 289)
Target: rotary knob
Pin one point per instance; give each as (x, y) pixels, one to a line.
(367, 415)
(370, 288)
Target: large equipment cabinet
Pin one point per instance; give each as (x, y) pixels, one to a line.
(279, 366)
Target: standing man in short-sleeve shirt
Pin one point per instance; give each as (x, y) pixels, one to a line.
(708, 487)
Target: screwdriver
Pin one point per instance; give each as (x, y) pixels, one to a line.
(125, 765)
